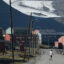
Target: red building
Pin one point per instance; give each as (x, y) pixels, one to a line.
(60, 42)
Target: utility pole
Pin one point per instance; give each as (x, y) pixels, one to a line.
(30, 32)
(30, 25)
(48, 41)
(11, 25)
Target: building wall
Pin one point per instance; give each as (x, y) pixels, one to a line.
(56, 44)
(60, 40)
(7, 37)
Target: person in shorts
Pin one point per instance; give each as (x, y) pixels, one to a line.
(51, 54)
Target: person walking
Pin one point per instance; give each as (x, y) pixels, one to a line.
(51, 54)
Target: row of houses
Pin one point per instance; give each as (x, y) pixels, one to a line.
(19, 37)
(20, 32)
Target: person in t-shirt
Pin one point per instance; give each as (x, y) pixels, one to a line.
(51, 54)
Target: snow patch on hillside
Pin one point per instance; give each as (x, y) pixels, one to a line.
(36, 7)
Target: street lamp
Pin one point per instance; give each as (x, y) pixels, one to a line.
(11, 32)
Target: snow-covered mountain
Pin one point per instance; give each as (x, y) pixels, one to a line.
(39, 8)
(21, 19)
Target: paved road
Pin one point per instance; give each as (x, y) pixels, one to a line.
(45, 59)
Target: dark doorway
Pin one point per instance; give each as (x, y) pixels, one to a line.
(60, 46)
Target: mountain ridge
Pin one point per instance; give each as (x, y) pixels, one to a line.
(22, 20)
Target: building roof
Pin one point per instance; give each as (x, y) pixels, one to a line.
(61, 39)
(8, 30)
